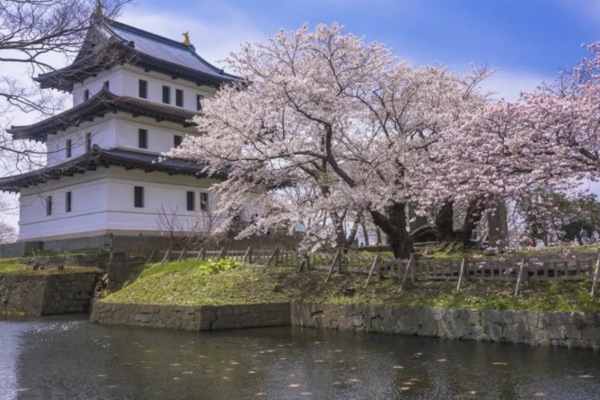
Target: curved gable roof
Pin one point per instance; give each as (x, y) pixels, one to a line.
(137, 47)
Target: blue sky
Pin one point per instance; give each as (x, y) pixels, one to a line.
(527, 40)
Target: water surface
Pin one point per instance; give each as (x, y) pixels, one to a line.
(71, 358)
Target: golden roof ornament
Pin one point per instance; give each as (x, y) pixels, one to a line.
(186, 39)
(99, 7)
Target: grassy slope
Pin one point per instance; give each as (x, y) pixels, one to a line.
(190, 284)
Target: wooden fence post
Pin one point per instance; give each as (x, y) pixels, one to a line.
(461, 273)
(375, 265)
(520, 277)
(595, 279)
(221, 253)
(409, 267)
(333, 264)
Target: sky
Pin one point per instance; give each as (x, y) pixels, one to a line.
(528, 41)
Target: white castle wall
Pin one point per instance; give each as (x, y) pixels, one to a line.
(124, 81)
(102, 202)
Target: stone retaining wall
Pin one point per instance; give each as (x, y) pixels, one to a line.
(46, 294)
(98, 260)
(203, 318)
(563, 329)
(529, 327)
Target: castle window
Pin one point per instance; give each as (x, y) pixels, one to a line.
(191, 201)
(166, 95)
(143, 139)
(179, 97)
(199, 99)
(176, 140)
(143, 89)
(68, 198)
(138, 197)
(49, 205)
(204, 201)
(88, 142)
(86, 95)
(68, 148)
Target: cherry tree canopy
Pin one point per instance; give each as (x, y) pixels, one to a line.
(324, 127)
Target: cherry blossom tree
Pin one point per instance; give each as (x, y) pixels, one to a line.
(324, 127)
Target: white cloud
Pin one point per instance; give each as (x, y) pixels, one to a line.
(213, 39)
(508, 84)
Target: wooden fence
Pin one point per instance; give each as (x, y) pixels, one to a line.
(579, 268)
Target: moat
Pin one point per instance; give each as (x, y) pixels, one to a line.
(68, 357)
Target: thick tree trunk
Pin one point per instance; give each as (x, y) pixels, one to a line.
(393, 224)
(365, 233)
(444, 222)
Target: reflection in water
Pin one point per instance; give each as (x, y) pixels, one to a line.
(71, 358)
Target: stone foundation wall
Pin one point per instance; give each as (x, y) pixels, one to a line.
(46, 294)
(564, 329)
(80, 260)
(203, 318)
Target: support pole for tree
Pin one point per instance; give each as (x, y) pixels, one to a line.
(151, 256)
(463, 265)
(595, 280)
(221, 253)
(167, 254)
(183, 252)
(375, 265)
(412, 270)
(335, 261)
(274, 257)
(248, 255)
(304, 261)
(520, 277)
(409, 267)
(200, 253)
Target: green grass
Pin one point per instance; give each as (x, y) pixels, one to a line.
(195, 283)
(12, 265)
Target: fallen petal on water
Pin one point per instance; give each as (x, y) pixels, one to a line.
(405, 388)
(539, 394)
(397, 367)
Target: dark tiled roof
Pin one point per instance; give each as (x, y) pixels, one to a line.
(98, 105)
(99, 157)
(166, 49)
(137, 47)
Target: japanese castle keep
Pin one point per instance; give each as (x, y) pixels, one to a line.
(103, 175)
